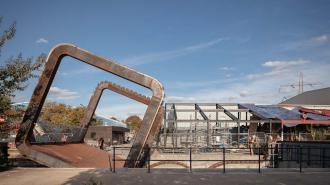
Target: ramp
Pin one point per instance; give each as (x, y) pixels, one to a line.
(77, 155)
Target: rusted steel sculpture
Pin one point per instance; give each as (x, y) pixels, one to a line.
(133, 160)
(62, 155)
(94, 100)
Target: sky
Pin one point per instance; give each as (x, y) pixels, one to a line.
(245, 51)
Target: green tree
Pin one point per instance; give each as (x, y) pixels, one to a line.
(76, 114)
(15, 71)
(134, 122)
(59, 113)
(96, 121)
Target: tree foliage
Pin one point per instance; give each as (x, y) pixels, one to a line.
(15, 71)
(59, 113)
(7, 34)
(134, 122)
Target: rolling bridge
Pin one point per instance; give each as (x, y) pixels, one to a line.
(74, 152)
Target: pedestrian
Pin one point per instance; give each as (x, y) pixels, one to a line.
(101, 143)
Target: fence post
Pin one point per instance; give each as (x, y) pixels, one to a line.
(148, 150)
(271, 156)
(114, 159)
(224, 159)
(110, 165)
(190, 158)
(323, 156)
(282, 151)
(297, 154)
(259, 160)
(308, 156)
(300, 158)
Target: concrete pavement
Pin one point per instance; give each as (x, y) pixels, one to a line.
(55, 176)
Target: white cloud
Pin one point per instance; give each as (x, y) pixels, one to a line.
(320, 39)
(41, 41)
(181, 85)
(277, 64)
(263, 90)
(228, 75)
(226, 68)
(171, 99)
(63, 94)
(167, 55)
(244, 93)
(307, 43)
(270, 73)
(278, 67)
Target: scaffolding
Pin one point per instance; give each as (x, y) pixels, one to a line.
(211, 125)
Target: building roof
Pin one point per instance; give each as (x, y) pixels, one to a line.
(272, 112)
(111, 122)
(114, 128)
(275, 112)
(313, 97)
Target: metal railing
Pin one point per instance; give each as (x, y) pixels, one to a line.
(53, 137)
(216, 139)
(270, 157)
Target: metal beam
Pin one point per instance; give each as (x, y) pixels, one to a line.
(207, 124)
(165, 126)
(209, 110)
(201, 112)
(202, 104)
(174, 139)
(94, 100)
(227, 112)
(234, 118)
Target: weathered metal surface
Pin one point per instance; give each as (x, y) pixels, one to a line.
(94, 100)
(73, 155)
(25, 133)
(120, 90)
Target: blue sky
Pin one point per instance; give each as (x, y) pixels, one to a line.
(201, 51)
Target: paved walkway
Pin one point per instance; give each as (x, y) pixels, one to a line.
(50, 176)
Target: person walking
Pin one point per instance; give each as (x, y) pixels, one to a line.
(101, 143)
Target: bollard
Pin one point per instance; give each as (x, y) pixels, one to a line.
(323, 156)
(300, 158)
(114, 159)
(110, 166)
(224, 159)
(190, 158)
(309, 156)
(271, 158)
(259, 160)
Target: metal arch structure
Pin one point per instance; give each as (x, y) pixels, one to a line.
(45, 155)
(94, 100)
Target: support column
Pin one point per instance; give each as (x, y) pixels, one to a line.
(282, 131)
(238, 128)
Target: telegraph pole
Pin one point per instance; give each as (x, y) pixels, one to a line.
(300, 84)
